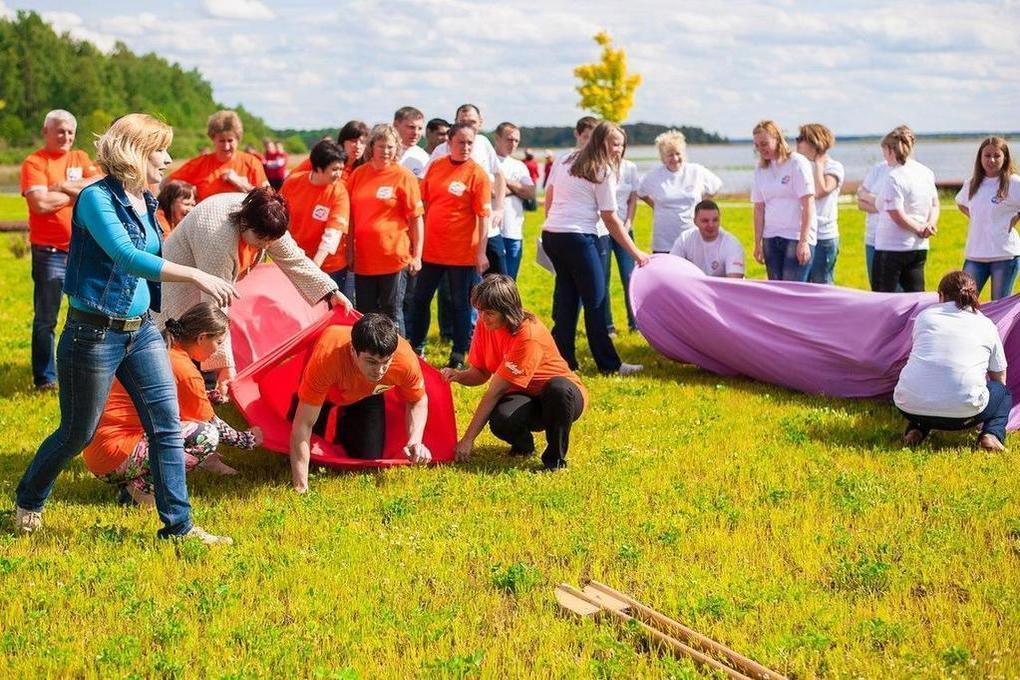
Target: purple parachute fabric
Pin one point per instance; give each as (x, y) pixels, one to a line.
(811, 338)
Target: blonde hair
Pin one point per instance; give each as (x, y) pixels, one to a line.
(771, 128)
(123, 150)
(818, 136)
(1007, 169)
(224, 121)
(378, 132)
(900, 141)
(593, 162)
(671, 139)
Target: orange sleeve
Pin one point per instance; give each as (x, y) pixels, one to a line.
(340, 215)
(413, 191)
(319, 374)
(193, 400)
(189, 171)
(412, 384)
(256, 173)
(482, 203)
(33, 174)
(521, 361)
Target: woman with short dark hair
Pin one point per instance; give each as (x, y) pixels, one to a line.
(176, 199)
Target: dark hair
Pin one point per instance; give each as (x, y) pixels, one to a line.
(264, 212)
(325, 153)
(172, 190)
(502, 128)
(706, 204)
(435, 124)
(352, 129)
(205, 318)
(585, 123)
(960, 287)
(498, 293)
(407, 113)
(457, 127)
(375, 334)
(467, 107)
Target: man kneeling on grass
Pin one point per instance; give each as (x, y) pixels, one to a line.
(352, 367)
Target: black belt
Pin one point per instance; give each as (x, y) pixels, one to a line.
(130, 324)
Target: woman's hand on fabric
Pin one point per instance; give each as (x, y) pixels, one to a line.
(482, 264)
(338, 299)
(418, 453)
(224, 378)
(803, 253)
(641, 258)
(462, 451)
(222, 292)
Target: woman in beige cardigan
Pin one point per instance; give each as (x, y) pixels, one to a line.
(228, 234)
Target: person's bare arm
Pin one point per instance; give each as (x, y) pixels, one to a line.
(547, 201)
(521, 190)
(417, 233)
(999, 376)
(620, 235)
(807, 218)
(73, 187)
(417, 414)
(824, 184)
(469, 377)
(497, 388)
(44, 201)
(964, 209)
(631, 211)
(759, 231)
(866, 201)
(300, 444)
(498, 198)
(481, 261)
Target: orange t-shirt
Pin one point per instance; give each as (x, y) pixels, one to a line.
(247, 257)
(382, 204)
(528, 359)
(314, 209)
(120, 429)
(456, 194)
(43, 169)
(206, 173)
(332, 374)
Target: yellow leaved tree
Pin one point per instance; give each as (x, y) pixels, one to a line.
(606, 89)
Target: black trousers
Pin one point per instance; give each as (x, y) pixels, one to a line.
(360, 427)
(892, 268)
(382, 293)
(554, 410)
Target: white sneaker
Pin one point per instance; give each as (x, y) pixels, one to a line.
(630, 369)
(200, 534)
(26, 521)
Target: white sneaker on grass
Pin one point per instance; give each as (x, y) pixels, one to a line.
(26, 521)
(200, 534)
(630, 369)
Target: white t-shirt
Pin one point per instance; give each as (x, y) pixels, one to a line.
(562, 165)
(630, 182)
(874, 183)
(780, 186)
(482, 153)
(827, 207)
(990, 237)
(576, 202)
(945, 374)
(415, 159)
(720, 257)
(910, 188)
(513, 207)
(674, 195)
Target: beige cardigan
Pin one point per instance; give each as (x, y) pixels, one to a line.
(207, 239)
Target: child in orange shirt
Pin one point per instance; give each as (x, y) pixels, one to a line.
(227, 169)
(458, 198)
(320, 209)
(531, 388)
(119, 451)
(349, 370)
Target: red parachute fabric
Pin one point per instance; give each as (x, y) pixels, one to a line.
(264, 389)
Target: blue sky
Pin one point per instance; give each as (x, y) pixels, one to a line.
(858, 66)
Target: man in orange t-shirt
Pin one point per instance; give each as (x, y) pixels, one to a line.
(531, 388)
(350, 369)
(50, 181)
(320, 210)
(227, 169)
(458, 199)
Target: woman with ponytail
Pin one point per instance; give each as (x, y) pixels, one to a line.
(955, 378)
(119, 452)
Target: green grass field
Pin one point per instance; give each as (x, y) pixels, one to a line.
(793, 528)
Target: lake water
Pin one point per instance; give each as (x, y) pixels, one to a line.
(951, 161)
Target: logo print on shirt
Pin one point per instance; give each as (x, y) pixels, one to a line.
(715, 264)
(785, 180)
(320, 212)
(997, 200)
(74, 173)
(514, 368)
(457, 188)
(384, 193)
(379, 389)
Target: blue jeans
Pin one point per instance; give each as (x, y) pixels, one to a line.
(625, 263)
(1002, 272)
(88, 358)
(869, 262)
(514, 248)
(496, 252)
(823, 264)
(48, 268)
(339, 278)
(992, 420)
(383, 294)
(781, 260)
(580, 281)
(461, 280)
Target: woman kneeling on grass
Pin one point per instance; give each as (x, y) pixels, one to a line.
(119, 452)
(955, 378)
(531, 386)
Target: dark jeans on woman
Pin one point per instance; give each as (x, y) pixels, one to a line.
(781, 262)
(992, 420)
(461, 280)
(48, 268)
(88, 358)
(580, 281)
(1002, 272)
(823, 264)
(382, 294)
(495, 251)
(625, 263)
(892, 268)
(554, 410)
(513, 248)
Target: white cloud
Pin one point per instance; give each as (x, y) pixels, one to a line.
(238, 9)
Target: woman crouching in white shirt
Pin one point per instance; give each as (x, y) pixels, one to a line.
(955, 378)
(991, 199)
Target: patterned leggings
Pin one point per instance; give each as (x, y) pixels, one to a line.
(200, 440)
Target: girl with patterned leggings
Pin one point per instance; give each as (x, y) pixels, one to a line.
(119, 452)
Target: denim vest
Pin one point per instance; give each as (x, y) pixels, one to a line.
(92, 277)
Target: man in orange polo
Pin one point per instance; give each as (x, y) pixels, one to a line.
(350, 368)
(50, 181)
